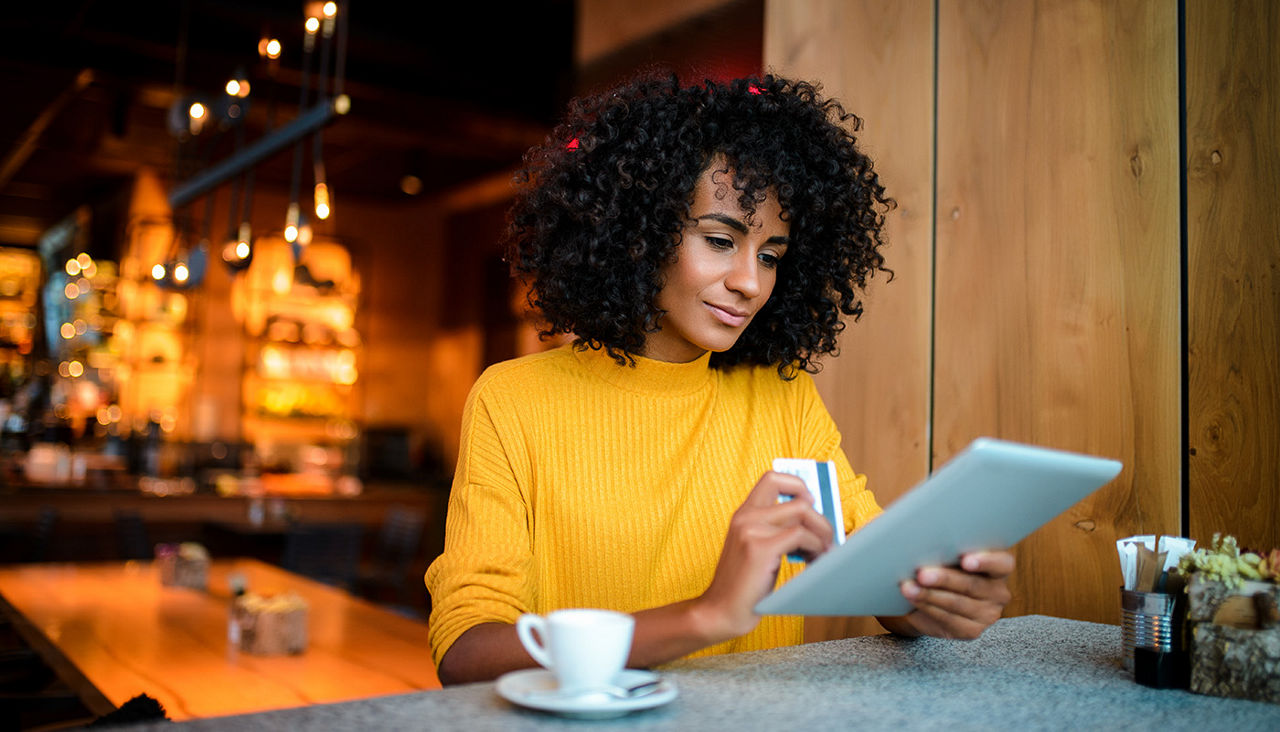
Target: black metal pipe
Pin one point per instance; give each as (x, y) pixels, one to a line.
(301, 126)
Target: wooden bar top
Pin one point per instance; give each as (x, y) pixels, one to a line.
(130, 635)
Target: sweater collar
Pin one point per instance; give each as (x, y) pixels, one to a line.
(649, 376)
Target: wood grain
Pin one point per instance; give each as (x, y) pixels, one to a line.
(1056, 317)
(877, 58)
(129, 635)
(604, 26)
(1233, 294)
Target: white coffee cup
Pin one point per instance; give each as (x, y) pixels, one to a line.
(584, 648)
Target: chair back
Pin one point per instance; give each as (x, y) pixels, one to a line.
(328, 552)
(132, 539)
(42, 537)
(400, 537)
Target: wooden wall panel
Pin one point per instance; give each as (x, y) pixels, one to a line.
(1057, 265)
(877, 58)
(1233, 295)
(604, 26)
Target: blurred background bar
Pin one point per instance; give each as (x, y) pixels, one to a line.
(250, 262)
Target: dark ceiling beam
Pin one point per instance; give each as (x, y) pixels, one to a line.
(26, 144)
(239, 162)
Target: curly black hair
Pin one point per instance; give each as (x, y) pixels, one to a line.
(602, 203)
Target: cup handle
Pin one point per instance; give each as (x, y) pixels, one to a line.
(525, 625)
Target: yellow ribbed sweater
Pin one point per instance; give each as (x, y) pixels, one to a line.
(582, 483)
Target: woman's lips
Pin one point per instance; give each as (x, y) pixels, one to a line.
(729, 316)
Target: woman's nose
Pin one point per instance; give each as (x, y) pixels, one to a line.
(744, 277)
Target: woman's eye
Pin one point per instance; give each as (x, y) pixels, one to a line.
(769, 259)
(719, 242)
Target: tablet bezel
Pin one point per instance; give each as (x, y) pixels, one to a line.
(989, 496)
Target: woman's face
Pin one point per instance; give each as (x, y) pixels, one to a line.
(723, 273)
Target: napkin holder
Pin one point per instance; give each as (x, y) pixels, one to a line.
(270, 626)
(183, 565)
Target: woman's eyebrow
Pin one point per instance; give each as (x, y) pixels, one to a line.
(729, 221)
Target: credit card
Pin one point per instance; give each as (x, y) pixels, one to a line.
(820, 479)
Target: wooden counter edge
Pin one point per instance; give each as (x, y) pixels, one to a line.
(93, 699)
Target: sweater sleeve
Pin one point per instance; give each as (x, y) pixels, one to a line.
(821, 439)
(485, 572)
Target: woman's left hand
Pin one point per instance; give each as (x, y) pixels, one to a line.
(955, 602)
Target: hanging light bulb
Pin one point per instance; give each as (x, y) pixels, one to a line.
(329, 10)
(197, 114)
(322, 201)
(312, 26)
(157, 272)
(303, 239)
(269, 47)
(188, 267)
(238, 252)
(291, 223)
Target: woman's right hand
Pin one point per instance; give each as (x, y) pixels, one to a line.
(761, 532)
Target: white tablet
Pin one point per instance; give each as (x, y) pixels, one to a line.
(990, 496)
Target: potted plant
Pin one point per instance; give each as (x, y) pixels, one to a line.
(1232, 621)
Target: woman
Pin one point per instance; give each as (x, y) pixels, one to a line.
(702, 244)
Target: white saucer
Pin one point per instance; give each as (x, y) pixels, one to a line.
(529, 687)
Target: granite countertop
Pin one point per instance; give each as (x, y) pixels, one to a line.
(1030, 672)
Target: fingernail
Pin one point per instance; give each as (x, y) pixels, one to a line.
(970, 563)
(910, 590)
(928, 576)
